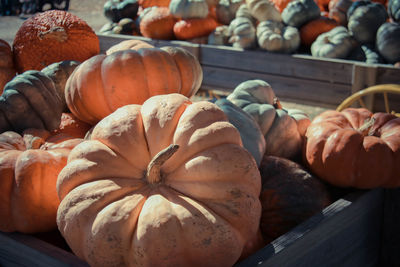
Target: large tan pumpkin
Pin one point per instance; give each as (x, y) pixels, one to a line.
(167, 183)
(104, 83)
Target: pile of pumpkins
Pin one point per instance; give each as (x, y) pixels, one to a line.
(361, 30)
(110, 150)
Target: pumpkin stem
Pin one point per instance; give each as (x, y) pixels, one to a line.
(56, 33)
(366, 128)
(277, 104)
(153, 174)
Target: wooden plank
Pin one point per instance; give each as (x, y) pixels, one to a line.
(309, 92)
(304, 67)
(387, 74)
(24, 250)
(346, 233)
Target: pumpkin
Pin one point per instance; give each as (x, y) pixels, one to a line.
(282, 132)
(151, 3)
(250, 133)
(192, 28)
(30, 100)
(299, 12)
(170, 170)
(289, 196)
(364, 19)
(220, 36)
(53, 36)
(115, 10)
(281, 4)
(7, 70)
(388, 41)
(124, 26)
(72, 126)
(29, 167)
(158, 23)
(242, 33)
(366, 53)
(59, 73)
(393, 9)
(243, 11)
(226, 10)
(343, 148)
(104, 83)
(263, 10)
(274, 36)
(188, 9)
(338, 10)
(336, 43)
(131, 44)
(312, 29)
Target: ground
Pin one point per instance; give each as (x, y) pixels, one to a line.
(92, 12)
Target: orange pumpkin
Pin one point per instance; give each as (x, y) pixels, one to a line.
(128, 44)
(167, 183)
(104, 83)
(158, 23)
(72, 126)
(192, 28)
(29, 167)
(280, 4)
(7, 70)
(355, 148)
(151, 3)
(53, 36)
(312, 29)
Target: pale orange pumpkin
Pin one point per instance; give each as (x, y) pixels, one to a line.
(53, 36)
(157, 23)
(167, 183)
(104, 83)
(7, 70)
(29, 167)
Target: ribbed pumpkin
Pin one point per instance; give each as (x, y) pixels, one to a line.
(167, 183)
(30, 100)
(29, 167)
(53, 36)
(242, 33)
(132, 44)
(263, 10)
(104, 83)
(192, 28)
(299, 12)
(338, 10)
(312, 29)
(393, 8)
(289, 196)
(226, 10)
(7, 70)
(388, 41)
(355, 148)
(188, 9)
(158, 23)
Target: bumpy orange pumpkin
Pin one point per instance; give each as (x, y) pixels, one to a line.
(53, 36)
(29, 167)
(7, 70)
(192, 28)
(355, 148)
(103, 83)
(158, 23)
(167, 183)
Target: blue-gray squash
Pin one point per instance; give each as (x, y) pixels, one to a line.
(388, 41)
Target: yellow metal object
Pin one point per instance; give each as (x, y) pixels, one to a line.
(383, 89)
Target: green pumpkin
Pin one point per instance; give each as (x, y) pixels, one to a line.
(188, 9)
(30, 100)
(366, 53)
(242, 33)
(394, 10)
(283, 133)
(250, 133)
(299, 12)
(388, 41)
(115, 10)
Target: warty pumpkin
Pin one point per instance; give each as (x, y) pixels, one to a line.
(30, 100)
(167, 183)
(29, 167)
(191, 28)
(53, 36)
(7, 69)
(355, 148)
(104, 83)
(158, 23)
(283, 132)
(275, 36)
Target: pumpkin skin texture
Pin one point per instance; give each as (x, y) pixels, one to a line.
(29, 167)
(150, 3)
(192, 28)
(338, 10)
(59, 73)
(282, 132)
(289, 196)
(30, 100)
(252, 137)
(104, 83)
(7, 70)
(158, 23)
(72, 126)
(336, 43)
(53, 36)
(388, 41)
(342, 153)
(393, 9)
(312, 29)
(242, 33)
(299, 12)
(263, 10)
(275, 36)
(188, 9)
(115, 10)
(205, 193)
(130, 44)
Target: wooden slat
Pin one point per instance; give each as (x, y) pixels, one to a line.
(387, 74)
(24, 250)
(310, 92)
(346, 233)
(304, 67)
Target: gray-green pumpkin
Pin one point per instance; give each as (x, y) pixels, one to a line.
(299, 12)
(188, 9)
(388, 41)
(115, 10)
(275, 36)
